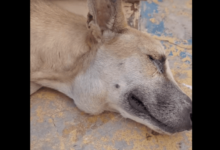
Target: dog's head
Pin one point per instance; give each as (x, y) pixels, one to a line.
(130, 74)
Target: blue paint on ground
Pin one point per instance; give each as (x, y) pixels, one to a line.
(182, 54)
(151, 8)
(189, 42)
(177, 42)
(152, 28)
(187, 61)
(189, 55)
(170, 54)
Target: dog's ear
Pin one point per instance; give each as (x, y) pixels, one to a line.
(105, 15)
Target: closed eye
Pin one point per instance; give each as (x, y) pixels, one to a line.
(159, 63)
(150, 57)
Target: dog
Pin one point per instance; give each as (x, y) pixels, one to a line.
(105, 65)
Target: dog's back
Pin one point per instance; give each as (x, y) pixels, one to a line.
(57, 37)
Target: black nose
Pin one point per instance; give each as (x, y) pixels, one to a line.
(191, 117)
(187, 116)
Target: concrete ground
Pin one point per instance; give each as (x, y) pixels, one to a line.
(57, 124)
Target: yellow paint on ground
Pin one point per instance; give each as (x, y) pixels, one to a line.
(162, 15)
(156, 1)
(186, 58)
(153, 20)
(62, 145)
(138, 140)
(166, 10)
(172, 41)
(189, 4)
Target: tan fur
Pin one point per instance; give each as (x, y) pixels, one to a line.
(56, 59)
(81, 57)
(65, 57)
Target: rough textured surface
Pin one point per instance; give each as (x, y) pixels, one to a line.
(170, 21)
(57, 124)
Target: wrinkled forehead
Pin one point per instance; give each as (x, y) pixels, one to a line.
(133, 42)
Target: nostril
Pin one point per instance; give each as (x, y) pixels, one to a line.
(191, 116)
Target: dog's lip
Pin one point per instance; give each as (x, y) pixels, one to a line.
(136, 103)
(164, 129)
(132, 99)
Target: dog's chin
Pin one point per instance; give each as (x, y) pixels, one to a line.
(157, 132)
(110, 109)
(154, 128)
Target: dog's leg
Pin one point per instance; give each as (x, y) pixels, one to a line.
(34, 87)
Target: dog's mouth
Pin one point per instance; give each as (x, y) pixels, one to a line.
(137, 105)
